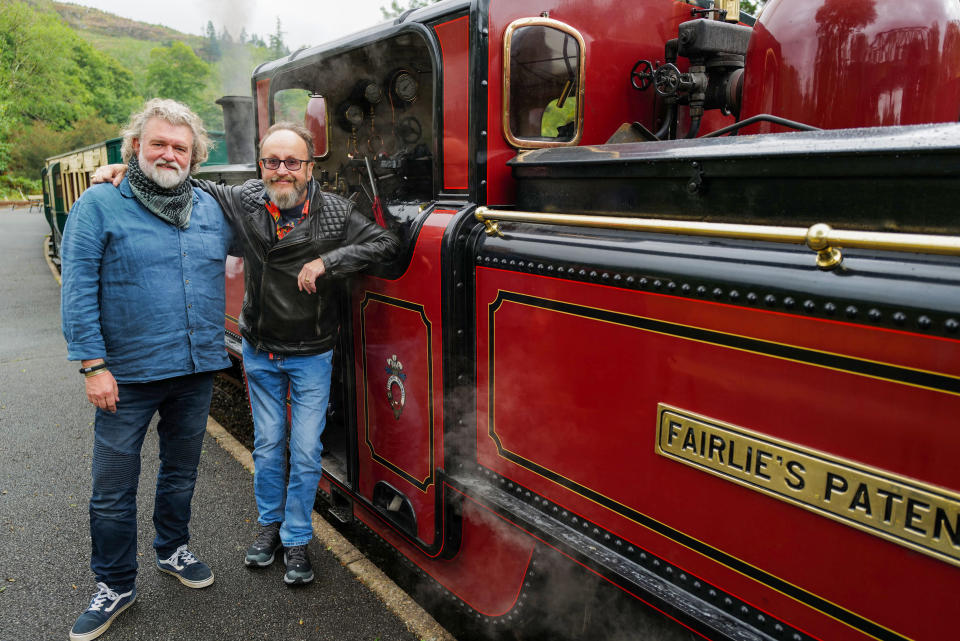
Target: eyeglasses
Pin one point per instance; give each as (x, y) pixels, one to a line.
(292, 164)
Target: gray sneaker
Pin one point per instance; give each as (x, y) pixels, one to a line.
(264, 548)
(299, 570)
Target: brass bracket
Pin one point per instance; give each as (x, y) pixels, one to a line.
(492, 226)
(818, 239)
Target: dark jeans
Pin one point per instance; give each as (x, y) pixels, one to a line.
(183, 404)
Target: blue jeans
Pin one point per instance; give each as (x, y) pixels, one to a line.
(183, 403)
(308, 380)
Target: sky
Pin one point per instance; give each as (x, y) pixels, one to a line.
(304, 22)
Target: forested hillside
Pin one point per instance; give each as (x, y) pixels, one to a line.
(70, 76)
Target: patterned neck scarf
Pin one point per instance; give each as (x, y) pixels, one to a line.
(284, 228)
(172, 205)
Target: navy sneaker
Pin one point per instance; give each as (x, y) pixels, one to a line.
(103, 609)
(264, 548)
(299, 570)
(191, 571)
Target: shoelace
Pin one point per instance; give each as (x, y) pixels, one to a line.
(186, 557)
(265, 536)
(297, 554)
(102, 596)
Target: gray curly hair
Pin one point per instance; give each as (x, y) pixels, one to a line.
(176, 113)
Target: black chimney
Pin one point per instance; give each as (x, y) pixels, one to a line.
(239, 129)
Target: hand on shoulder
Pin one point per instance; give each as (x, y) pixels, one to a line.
(109, 173)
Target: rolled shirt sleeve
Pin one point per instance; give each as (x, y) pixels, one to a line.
(81, 253)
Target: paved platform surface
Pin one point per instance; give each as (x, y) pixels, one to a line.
(46, 432)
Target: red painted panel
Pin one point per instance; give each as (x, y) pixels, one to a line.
(454, 39)
(388, 435)
(389, 333)
(837, 63)
(263, 107)
(577, 396)
(234, 288)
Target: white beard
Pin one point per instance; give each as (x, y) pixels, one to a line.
(288, 197)
(163, 177)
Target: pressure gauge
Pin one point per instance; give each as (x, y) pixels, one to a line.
(405, 86)
(354, 115)
(372, 93)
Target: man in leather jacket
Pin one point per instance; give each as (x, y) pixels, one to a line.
(295, 240)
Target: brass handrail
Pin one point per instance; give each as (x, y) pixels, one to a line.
(820, 238)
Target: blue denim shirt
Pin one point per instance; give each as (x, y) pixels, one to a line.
(140, 293)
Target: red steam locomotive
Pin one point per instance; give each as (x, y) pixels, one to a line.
(678, 310)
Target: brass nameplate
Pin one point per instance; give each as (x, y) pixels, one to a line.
(921, 517)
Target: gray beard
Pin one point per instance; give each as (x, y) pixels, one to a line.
(162, 177)
(287, 198)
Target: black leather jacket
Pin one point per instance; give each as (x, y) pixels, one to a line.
(277, 317)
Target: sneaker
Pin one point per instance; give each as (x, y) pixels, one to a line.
(191, 571)
(264, 548)
(103, 609)
(299, 571)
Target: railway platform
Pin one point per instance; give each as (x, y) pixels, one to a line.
(46, 429)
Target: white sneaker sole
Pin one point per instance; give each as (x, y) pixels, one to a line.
(187, 582)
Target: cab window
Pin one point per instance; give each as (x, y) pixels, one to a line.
(543, 83)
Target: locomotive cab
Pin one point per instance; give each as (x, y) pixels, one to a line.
(373, 125)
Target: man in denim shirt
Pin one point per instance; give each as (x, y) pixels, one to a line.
(142, 306)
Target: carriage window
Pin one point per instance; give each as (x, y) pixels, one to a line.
(542, 83)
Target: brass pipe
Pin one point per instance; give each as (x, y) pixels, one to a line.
(820, 238)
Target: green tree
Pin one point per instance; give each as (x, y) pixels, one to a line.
(33, 144)
(752, 7)
(110, 85)
(277, 47)
(49, 79)
(210, 49)
(6, 127)
(175, 71)
(38, 74)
